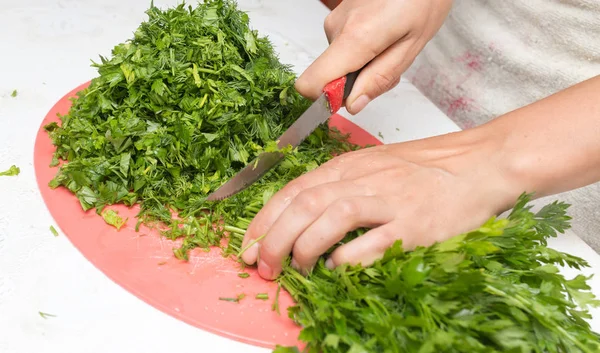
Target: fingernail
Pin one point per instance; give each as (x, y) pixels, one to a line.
(359, 104)
(250, 256)
(294, 264)
(329, 264)
(265, 270)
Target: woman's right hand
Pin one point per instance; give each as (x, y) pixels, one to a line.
(386, 34)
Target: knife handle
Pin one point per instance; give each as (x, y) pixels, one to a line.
(338, 90)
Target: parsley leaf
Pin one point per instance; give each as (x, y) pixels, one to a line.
(112, 217)
(45, 315)
(233, 300)
(12, 171)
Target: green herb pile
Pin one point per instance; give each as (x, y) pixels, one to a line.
(174, 113)
(195, 95)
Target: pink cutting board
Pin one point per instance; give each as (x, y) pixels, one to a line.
(143, 262)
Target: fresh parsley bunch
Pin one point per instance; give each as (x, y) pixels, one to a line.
(495, 289)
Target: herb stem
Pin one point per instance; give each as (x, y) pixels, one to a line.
(275, 305)
(253, 209)
(250, 245)
(232, 229)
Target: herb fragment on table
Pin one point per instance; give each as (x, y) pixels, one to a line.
(14, 93)
(262, 296)
(244, 275)
(54, 231)
(112, 217)
(12, 171)
(45, 315)
(233, 300)
(275, 305)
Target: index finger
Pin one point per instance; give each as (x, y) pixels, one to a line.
(355, 46)
(265, 218)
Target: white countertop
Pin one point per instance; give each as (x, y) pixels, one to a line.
(46, 48)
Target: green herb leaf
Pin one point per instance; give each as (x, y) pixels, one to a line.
(112, 217)
(54, 231)
(262, 296)
(45, 315)
(233, 300)
(275, 305)
(282, 349)
(12, 171)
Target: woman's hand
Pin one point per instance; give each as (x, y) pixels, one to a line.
(387, 33)
(420, 192)
(432, 189)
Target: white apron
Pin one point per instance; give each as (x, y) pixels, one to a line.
(493, 56)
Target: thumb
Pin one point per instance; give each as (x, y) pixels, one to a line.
(329, 67)
(352, 49)
(380, 75)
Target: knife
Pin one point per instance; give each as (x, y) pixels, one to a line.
(322, 109)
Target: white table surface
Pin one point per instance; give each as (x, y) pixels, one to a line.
(45, 51)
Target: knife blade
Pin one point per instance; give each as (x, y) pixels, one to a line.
(318, 113)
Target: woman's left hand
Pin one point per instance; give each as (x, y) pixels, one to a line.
(419, 192)
(429, 190)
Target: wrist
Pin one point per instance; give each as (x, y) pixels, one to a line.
(534, 159)
(490, 168)
(476, 158)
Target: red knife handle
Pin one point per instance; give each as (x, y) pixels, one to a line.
(338, 90)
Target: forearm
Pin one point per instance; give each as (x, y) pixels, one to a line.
(552, 145)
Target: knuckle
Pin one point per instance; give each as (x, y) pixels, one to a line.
(330, 24)
(269, 253)
(387, 238)
(302, 254)
(384, 81)
(292, 189)
(335, 163)
(359, 30)
(341, 257)
(423, 228)
(346, 209)
(360, 36)
(308, 200)
(357, 20)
